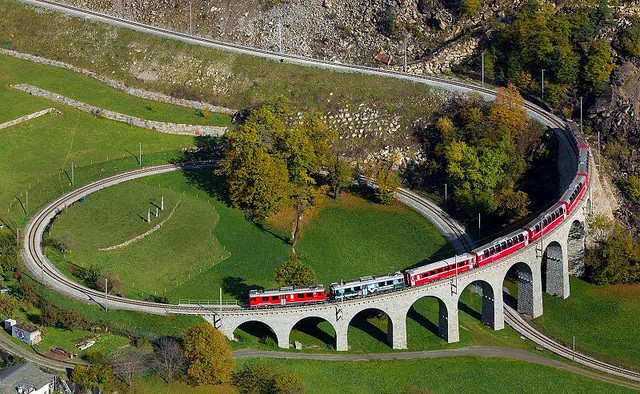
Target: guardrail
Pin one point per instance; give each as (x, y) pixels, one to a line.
(187, 301)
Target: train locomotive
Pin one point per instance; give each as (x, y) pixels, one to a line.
(486, 254)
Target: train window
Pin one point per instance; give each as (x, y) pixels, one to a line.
(520, 237)
(265, 298)
(275, 298)
(309, 295)
(503, 245)
(510, 242)
(544, 222)
(486, 253)
(492, 250)
(537, 227)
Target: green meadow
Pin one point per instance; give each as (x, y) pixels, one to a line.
(205, 245)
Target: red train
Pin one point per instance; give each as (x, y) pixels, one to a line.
(495, 250)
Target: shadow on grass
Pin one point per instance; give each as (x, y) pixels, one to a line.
(266, 229)
(422, 321)
(310, 327)
(469, 311)
(361, 322)
(258, 330)
(235, 286)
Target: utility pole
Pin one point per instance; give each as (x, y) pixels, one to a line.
(190, 18)
(543, 83)
(482, 69)
(73, 183)
(26, 193)
(140, 153)
(105, 295)
(405, 54)
(280, 34)
(580, 114)
(445, 192)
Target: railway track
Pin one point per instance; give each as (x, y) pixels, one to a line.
(41, 268)
(525, 329)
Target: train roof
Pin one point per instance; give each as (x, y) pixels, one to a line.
(286, 290)
(441, 263)
(365, 280)
(498, 240)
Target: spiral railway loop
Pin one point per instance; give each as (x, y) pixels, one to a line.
(41, 268)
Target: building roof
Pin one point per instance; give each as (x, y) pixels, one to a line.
(25, 375)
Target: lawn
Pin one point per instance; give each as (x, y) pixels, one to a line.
(88, 90)
(445, 375)
(206, 245)
(603, 319)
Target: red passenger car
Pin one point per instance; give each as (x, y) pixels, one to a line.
(501, 247)
(287, 296)
(442, 269)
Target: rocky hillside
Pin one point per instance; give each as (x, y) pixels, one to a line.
(437, 35)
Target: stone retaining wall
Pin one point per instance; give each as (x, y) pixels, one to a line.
(162, 127)
(121, 86)
(27, 117)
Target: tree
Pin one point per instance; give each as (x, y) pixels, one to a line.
(211, 358)
(260, 379)
(48, 313)
(293, 272)
(253, 379)
(288, 383)
(386, 182)
(8, 304)
(8, 251)
(69, 319)
(630, 39)
(508, 111)
(341, 175)
(599, 63)
(256, 181)
(615, 260)
(169, 358)
(127, 366)
(114, 285)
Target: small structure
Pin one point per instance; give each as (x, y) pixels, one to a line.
(26, 332)
(7, 324)
(383, 57)
(26, 378)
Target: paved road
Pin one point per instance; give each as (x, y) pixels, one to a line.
(471, 351)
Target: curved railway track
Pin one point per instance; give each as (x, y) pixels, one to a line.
(41, 268)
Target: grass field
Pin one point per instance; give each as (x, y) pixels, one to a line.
(604, 320)
(206, 245)
(88, 90)
(447, 375)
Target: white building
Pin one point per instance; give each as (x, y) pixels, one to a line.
(26, 333)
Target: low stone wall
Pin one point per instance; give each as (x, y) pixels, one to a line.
(162, 127)
(121, 86)
(27, 117)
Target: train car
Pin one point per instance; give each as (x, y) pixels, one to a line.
(574, 193)
(441, 269)
(546, 222)
(573, 134)
(501, 247)
(287, 296)
(367, 285)
(583, 162)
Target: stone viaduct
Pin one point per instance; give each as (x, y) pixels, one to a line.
(541, 266)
